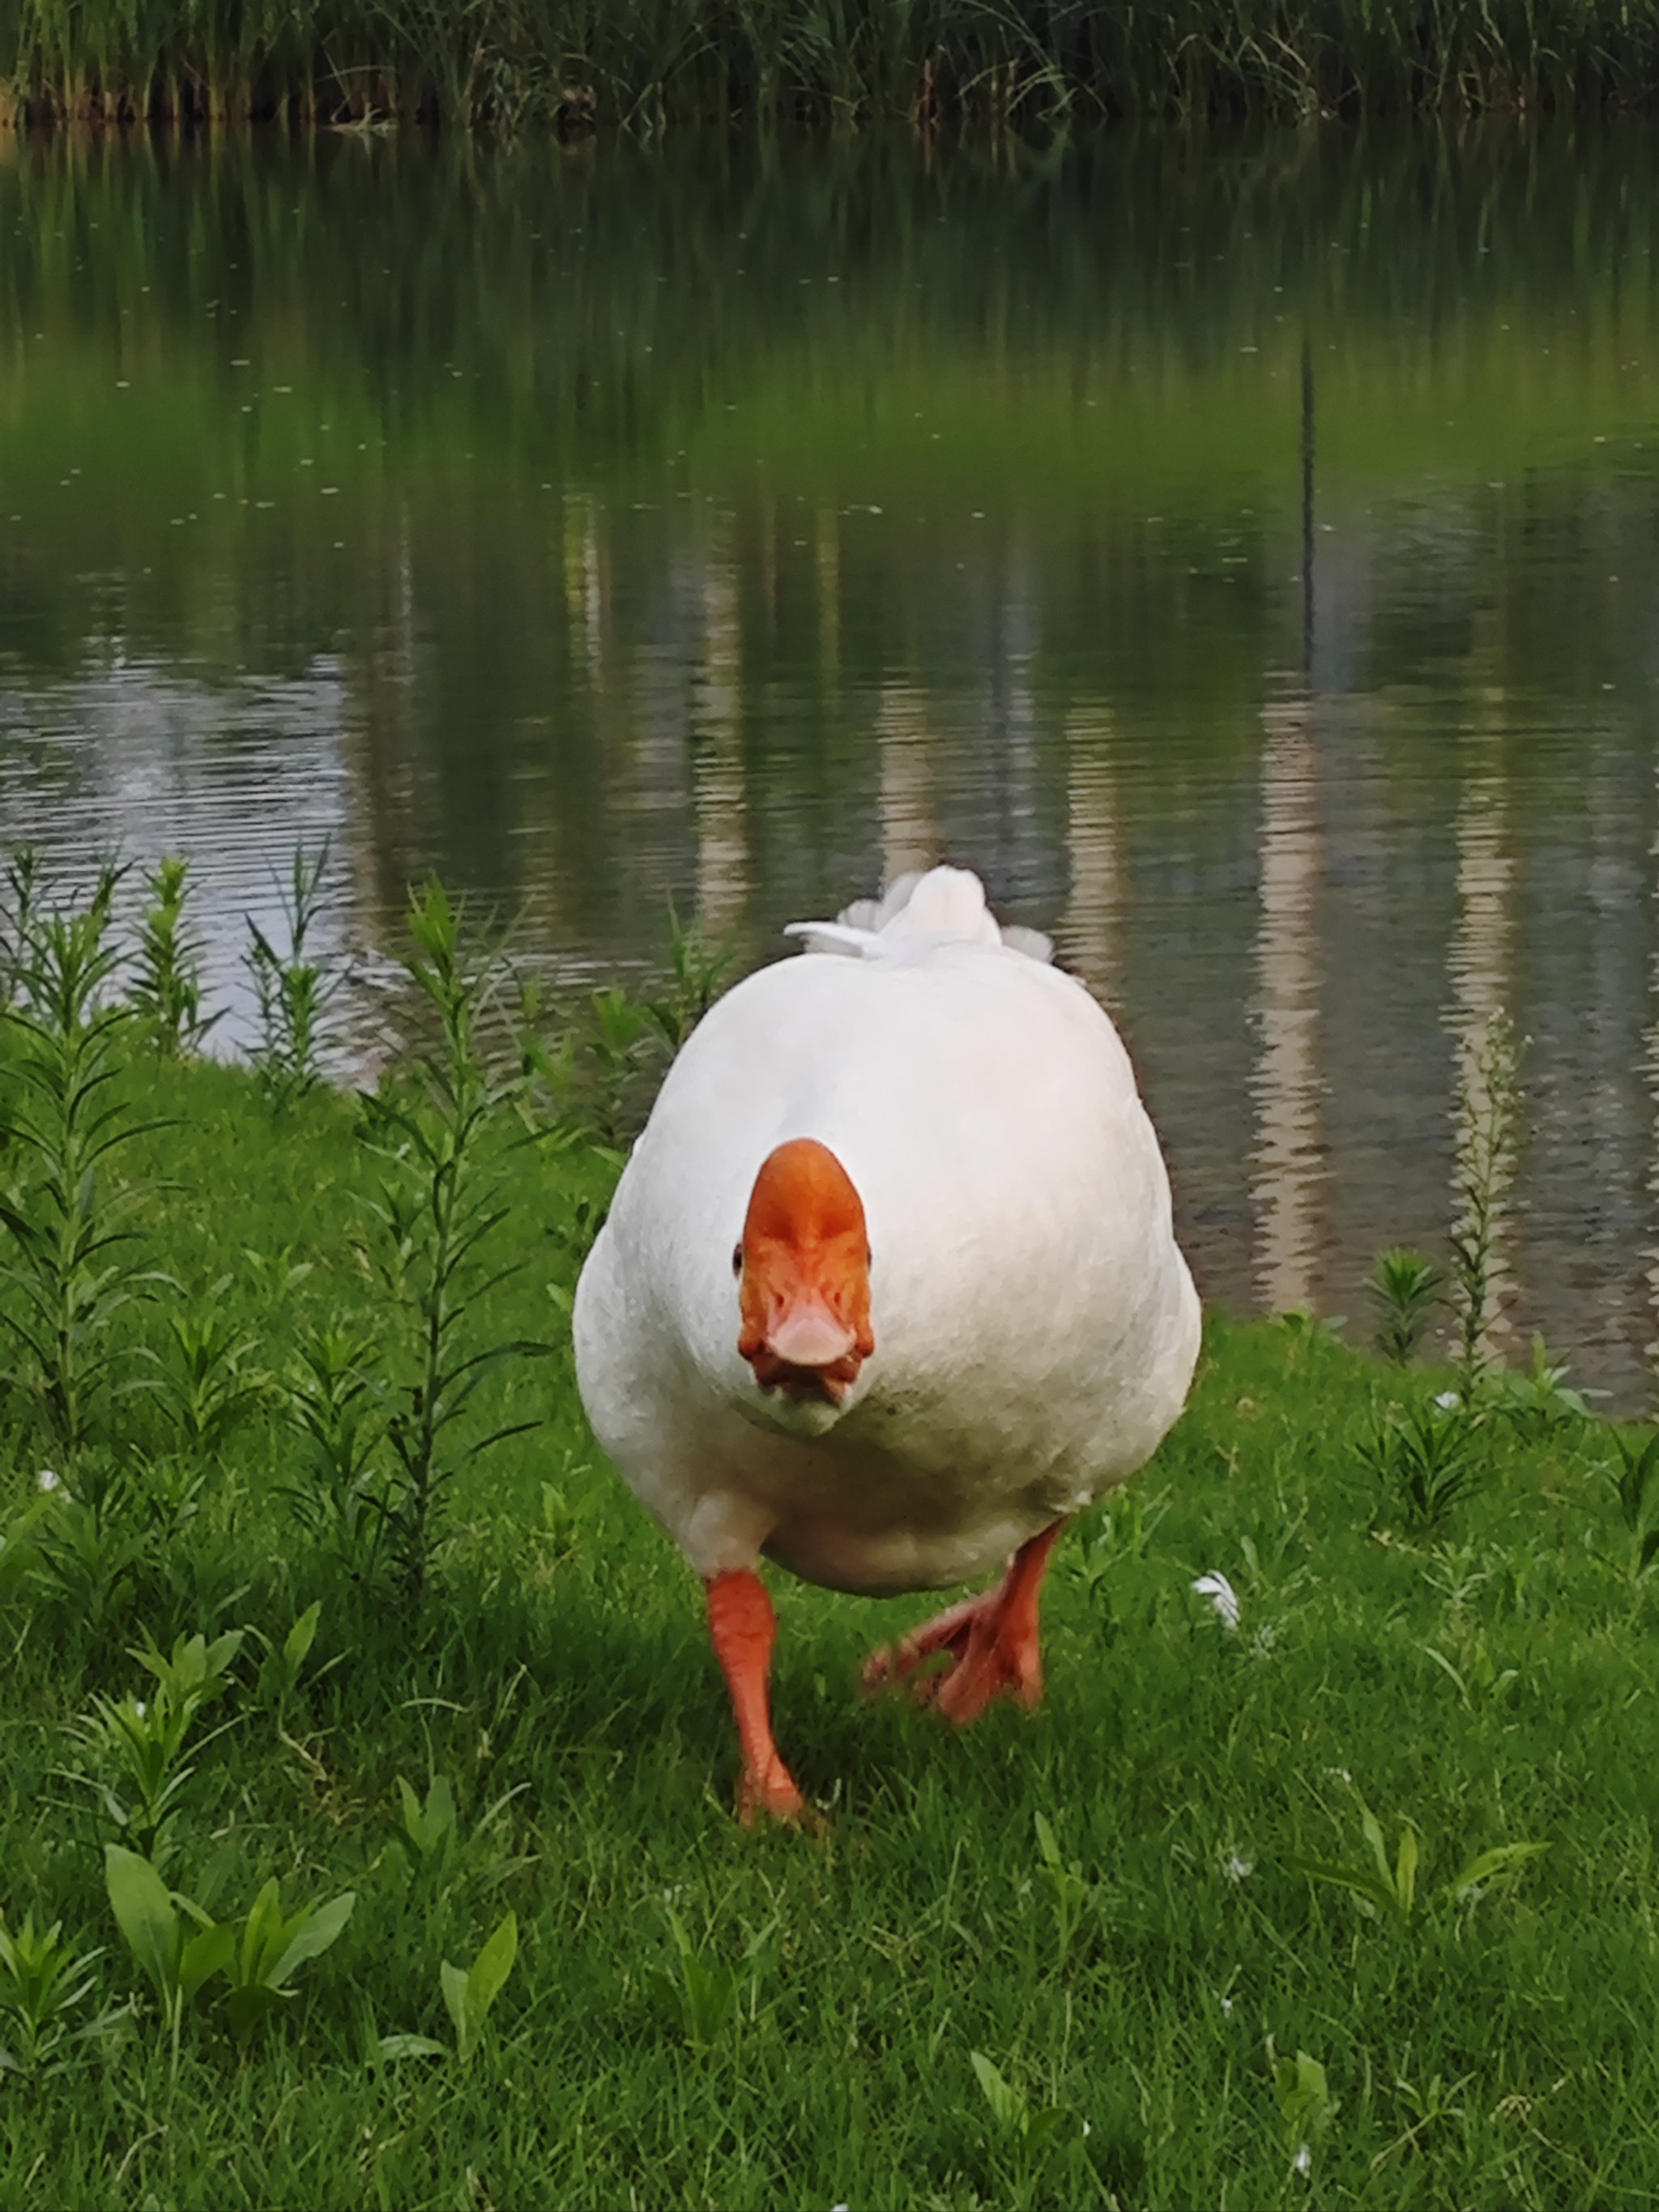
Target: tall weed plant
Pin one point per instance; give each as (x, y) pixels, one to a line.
(74, 1255)
(439, 1137)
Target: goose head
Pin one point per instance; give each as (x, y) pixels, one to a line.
(803, 1271)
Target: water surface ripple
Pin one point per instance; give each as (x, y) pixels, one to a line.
(1244, 554)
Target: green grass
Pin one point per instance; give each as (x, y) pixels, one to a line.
(701, 2016)
(647, 63)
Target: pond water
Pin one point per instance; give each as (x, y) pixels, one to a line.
(1246, 555)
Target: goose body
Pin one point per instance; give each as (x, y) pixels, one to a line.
(1030, 1323)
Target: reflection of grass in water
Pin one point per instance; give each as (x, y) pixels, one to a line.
(648, 62)
(1062, 333)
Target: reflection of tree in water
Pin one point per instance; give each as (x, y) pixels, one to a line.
(1480, 969)
(1089, 929)
(652, 562)
(718, 796)
(1288, 1078)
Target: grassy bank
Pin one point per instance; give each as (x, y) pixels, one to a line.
(1135, 1952)
(647, 63)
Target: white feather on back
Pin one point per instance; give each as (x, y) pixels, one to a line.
(918, 907)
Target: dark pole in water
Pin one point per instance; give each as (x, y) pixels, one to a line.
(1307, 513)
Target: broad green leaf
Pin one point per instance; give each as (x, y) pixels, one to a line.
(1054, 2125)
(1372, 1828)
(211, 1951)
(1304, 2100)
(309, 1933)
(1405, 1871)
(296, 1644)
(490, 1969)
(1450, 1671)
(454, 1987)
(1047, 1843)
(1493, 1865)
(427, 1825)
(1007, 2105)
(145, 1914)
(389, 2047)
(1377, 1889)
(262, 1938)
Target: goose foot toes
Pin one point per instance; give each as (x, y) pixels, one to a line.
(987, 1656)
(773, 1797)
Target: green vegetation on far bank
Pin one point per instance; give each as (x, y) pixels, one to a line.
(646, 63)
(1326, 1874)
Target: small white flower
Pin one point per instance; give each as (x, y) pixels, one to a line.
(1226, 2004)
(47, 1480)
(139, 1707)
(1221, 1596)
(1445, 1400)
(1303, 2159)
(1237, 1867)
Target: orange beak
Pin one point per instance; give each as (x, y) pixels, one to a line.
(803, 1270)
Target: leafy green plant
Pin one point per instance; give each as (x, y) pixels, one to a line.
(20, 904)
(1308, 1331)
(704, 1996)
(1382, 1888)
(294, 991)
(167, 991)
(180, 1949)
(1436, 2100)
(429, 1826)
(332, 1397)
(177, 1947)
(1034, 2130)
(1066, 1882)
(622, 1044)
(1425, 1461)
(209, 1381)
(142, 1740)
(1541, 1398)
(44, 1984)
(471, 1992)
(85, 1552)
(698, 972)
(440, 1203)
(1306, 2107)
(285, 1663)
(1123, 1535)
(1404, 1288)
(1636, 1490)
(76, 1257)
(1390, 1892)
(1479, 1679)
(271, 1949)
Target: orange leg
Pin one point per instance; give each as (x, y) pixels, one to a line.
(743, 1629)
(992, 1641)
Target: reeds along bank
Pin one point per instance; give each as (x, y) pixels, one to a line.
(645, 64)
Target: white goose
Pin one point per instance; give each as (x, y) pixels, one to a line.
(889, 1290)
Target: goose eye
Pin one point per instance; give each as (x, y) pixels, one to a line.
(737, 1259)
